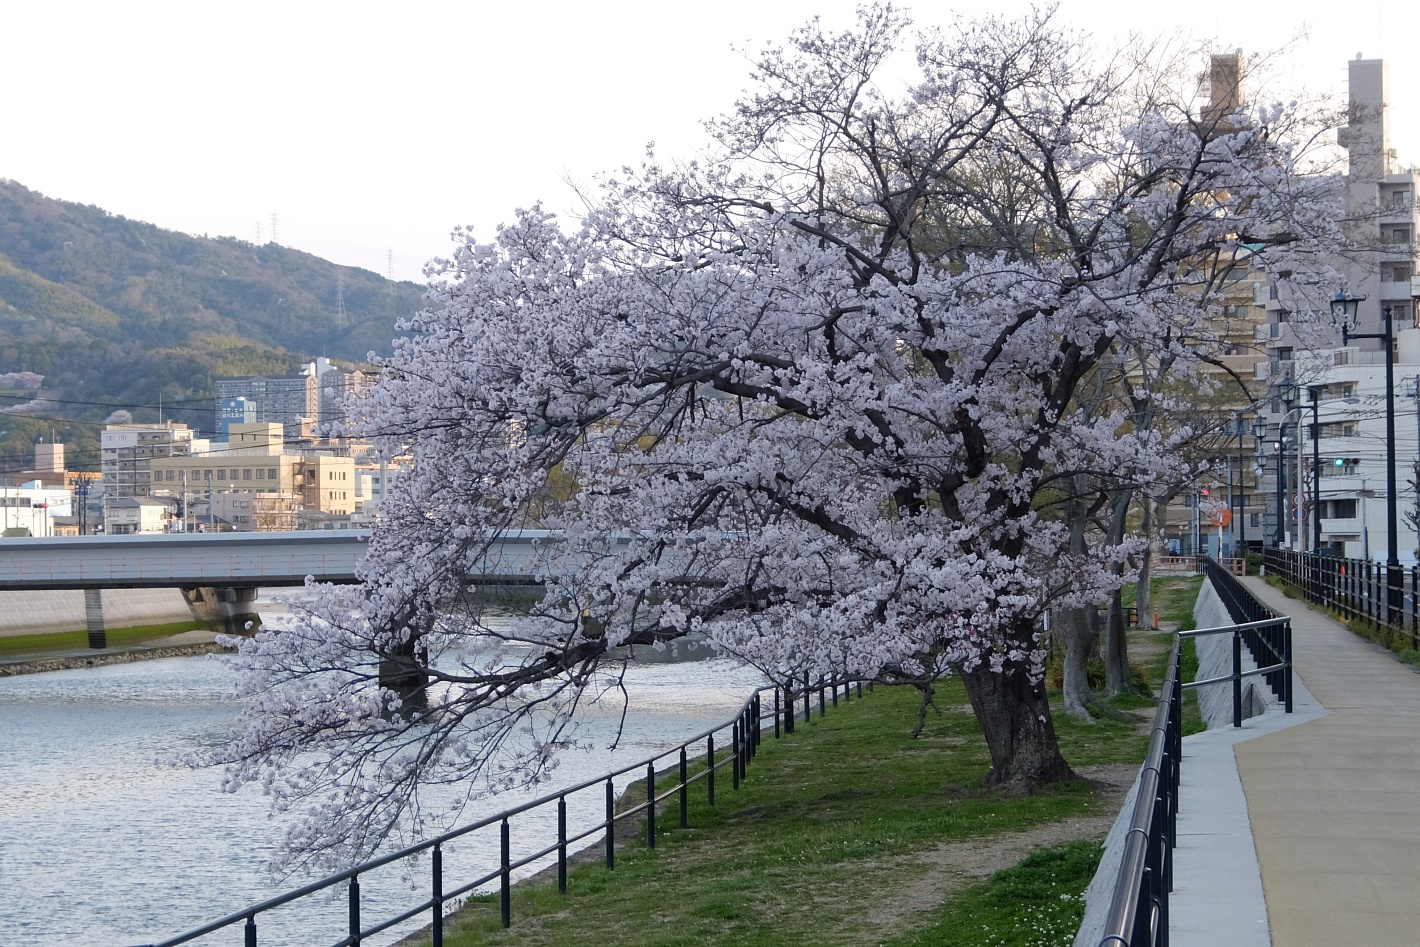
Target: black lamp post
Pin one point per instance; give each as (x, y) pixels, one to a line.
(1344, 309)
(1289, 394)
(1316, 474)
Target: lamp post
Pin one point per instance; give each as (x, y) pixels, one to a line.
(1344, 309)
(1316, 473)
(1289, 395)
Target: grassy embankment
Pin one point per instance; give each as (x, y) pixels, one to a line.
(852, 832)
(15, 646)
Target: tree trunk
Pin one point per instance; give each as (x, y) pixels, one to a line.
(1014, 716)
(1080, 639)
(1079, 635)
(1118, 678)
(1146, 566)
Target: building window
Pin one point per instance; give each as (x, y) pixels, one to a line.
(221, 473)
(271, 474)
(1339, 509)
(246, 473)
(261, 473)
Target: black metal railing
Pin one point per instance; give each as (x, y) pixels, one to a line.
(744, 733)
(1139, 908)
(1267, 634)
(1138, 914)
(1355, 589)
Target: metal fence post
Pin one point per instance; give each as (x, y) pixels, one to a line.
(684, 789)
(355, 911)
(1237, 678)
(436, 923)
(735, 757)
(776, 712)
(610, 825)
(505, 885)
(249, 929)
(562, 844)
(650, 805)
(710, 767)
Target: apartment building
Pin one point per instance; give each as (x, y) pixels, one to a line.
(1346, 488)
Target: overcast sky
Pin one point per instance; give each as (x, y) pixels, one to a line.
(373, 129)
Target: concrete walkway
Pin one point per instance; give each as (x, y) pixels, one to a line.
(1331, 796)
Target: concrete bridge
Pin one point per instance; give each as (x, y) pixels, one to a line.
(220, 572)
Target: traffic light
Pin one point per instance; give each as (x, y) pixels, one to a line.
(1345, 461)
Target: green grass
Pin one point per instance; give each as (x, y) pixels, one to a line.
(21, 645)
(1034, 904)
(843, 833)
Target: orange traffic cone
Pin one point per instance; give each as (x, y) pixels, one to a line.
(1156, 618)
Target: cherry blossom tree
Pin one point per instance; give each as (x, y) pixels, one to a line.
(811, 400)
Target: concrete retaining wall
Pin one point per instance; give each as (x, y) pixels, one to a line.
(24, 613)
(1215, 659)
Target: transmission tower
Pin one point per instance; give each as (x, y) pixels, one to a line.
(340, 300)
(273, 226)
(389, 264)
(258, 233)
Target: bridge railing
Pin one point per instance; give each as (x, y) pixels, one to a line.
(739, 741)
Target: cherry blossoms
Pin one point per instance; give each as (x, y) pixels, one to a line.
(811, 401)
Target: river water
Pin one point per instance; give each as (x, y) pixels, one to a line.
(102, 845)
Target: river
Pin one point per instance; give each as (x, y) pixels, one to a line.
(100, 845)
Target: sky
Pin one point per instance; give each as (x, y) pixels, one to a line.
(369, 131)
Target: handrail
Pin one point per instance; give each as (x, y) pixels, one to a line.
(746, 729)
(1139, 906)
(1138, 912)
(1267, 634)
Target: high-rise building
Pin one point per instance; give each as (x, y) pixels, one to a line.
(1380, 224)
(287, 400)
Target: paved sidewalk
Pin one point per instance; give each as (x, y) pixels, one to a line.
(1332, 798)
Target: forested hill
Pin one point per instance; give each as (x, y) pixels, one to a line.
(119, 313)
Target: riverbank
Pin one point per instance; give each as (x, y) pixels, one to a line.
(852, 832)
(62, 656)
(848, 832)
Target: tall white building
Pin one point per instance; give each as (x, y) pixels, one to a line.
(1381, 225)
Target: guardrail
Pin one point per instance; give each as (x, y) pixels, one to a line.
(1355, 589)
(745, 731)
(1139, 908)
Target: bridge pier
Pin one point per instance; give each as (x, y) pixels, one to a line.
(94, 618)
(232, 609)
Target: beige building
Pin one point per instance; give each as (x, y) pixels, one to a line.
(254, 465)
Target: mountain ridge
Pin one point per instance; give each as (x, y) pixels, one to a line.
(119, 313)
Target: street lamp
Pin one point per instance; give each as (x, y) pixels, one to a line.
(1344, 310)
(1259, 433)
